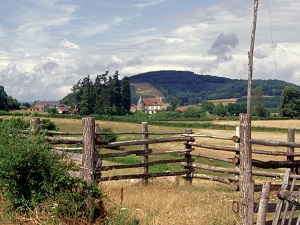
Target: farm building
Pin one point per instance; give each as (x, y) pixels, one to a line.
(45, 105)
(42, 105)
(149, 105)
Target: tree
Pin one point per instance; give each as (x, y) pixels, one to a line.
(106, 96)
(3, 99)
(234, 109)
(174, 103)
(192, 112)
(126, 98)
(219, 110)
(207, 106)
(258, 103)
(290, 102)
(12, 103)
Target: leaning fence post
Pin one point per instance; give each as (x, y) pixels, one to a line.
(145, 147)
(291, 138)
(35, 124)
(88, 148)
(263, 204)
(245, 180)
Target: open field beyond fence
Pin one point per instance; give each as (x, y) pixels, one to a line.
(205, 202)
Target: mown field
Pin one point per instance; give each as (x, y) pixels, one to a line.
(205, 202)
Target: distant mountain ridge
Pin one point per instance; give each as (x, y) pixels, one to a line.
(191, 88)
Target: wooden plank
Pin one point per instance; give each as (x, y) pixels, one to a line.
(284, 185)
(150, 141)
(149, 175)
(120, 154)
(263, 204)
(136, 165)
(64, 140)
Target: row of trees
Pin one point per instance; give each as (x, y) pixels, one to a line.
(107, 95)
(7, 102)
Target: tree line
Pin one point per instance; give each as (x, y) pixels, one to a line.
(107, 95)
(7, 102)
(190, 88)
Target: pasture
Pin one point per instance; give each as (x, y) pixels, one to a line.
(205, 202)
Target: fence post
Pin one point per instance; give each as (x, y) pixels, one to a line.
(98, 163)
(145, 147)
(88, 148)
(35, 124)
(237, 147)
(291, 138)
(263, 204)
(188, 179)
(246, 208)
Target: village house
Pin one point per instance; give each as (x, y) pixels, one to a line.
(149, 105)
(43, 106)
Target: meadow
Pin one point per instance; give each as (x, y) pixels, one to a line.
(204, 202)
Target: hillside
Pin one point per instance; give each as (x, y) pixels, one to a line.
(191, 88)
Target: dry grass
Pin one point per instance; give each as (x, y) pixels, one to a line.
(205, 202)
(147, 89)
(157, 204)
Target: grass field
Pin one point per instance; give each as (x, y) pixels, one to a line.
(205, 202)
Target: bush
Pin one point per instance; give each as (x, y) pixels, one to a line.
(49, 125)
(107, 138)
(32, 175)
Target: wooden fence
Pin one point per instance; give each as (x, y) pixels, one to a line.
(241, 173)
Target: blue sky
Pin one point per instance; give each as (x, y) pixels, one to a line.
(48, 45)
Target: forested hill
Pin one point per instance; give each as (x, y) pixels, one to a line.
(191, 88)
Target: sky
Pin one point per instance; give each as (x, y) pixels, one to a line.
(47, 46)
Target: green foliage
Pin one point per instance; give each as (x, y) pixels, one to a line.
(17, 123)
(258, 103)
(191, 88)
(290, 102)
(4, 113)
(12, 103)
(107, 137)
(121, 218)
(192, 112)
(167, 115)
(3, 99)
(32, 175)
(207, 106)
(219, 110)
(107, 95)
(234, 109)
(49, 125)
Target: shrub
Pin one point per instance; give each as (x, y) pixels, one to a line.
(49, 125)
(32, 175)
(107, 137)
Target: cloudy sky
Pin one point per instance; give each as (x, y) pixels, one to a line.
(48, 45)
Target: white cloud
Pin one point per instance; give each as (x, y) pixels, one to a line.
(67, 44)
(47, 46)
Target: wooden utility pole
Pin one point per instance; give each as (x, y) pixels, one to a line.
(250, 57)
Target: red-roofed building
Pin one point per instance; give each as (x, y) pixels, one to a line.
(149, 105)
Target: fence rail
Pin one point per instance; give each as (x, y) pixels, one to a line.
(239, 165)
